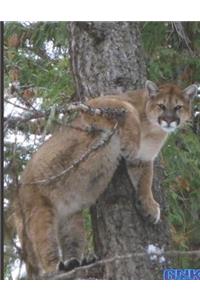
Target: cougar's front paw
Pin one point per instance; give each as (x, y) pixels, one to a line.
(68, 265)
(149, 209)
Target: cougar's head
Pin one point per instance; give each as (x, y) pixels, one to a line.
(168, 106)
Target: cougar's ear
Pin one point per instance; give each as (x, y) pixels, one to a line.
(190, 92)
(151, 88)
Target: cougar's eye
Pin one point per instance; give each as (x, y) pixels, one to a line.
(162, 106)
(178, 107)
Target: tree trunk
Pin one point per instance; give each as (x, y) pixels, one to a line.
(107, 58)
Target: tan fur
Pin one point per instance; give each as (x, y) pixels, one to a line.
(48, 211)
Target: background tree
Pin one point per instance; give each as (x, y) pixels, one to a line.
(38, 85)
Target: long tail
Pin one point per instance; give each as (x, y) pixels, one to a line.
(28, 254)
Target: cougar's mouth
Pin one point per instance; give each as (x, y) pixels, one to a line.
(168, 126)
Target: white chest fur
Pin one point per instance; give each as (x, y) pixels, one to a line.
(150, 146)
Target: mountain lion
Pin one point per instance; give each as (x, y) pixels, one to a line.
(50, 199)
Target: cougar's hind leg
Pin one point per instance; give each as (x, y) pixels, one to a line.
(29, 257)
(43, 236)
(72, 239)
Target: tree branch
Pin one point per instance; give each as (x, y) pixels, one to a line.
(76, 106)
(94, 271)
(104, 139)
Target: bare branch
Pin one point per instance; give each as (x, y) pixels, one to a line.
(18, 106)
(14, 121)
(104, 139)
(104, 112)
(93, 271)
(76, 106)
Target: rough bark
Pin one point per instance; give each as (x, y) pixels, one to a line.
(107, 58)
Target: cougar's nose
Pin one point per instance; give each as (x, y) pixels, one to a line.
(168, 119)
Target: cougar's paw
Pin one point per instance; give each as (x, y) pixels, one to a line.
(68, 265)
(149, 209)
(90, 259)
